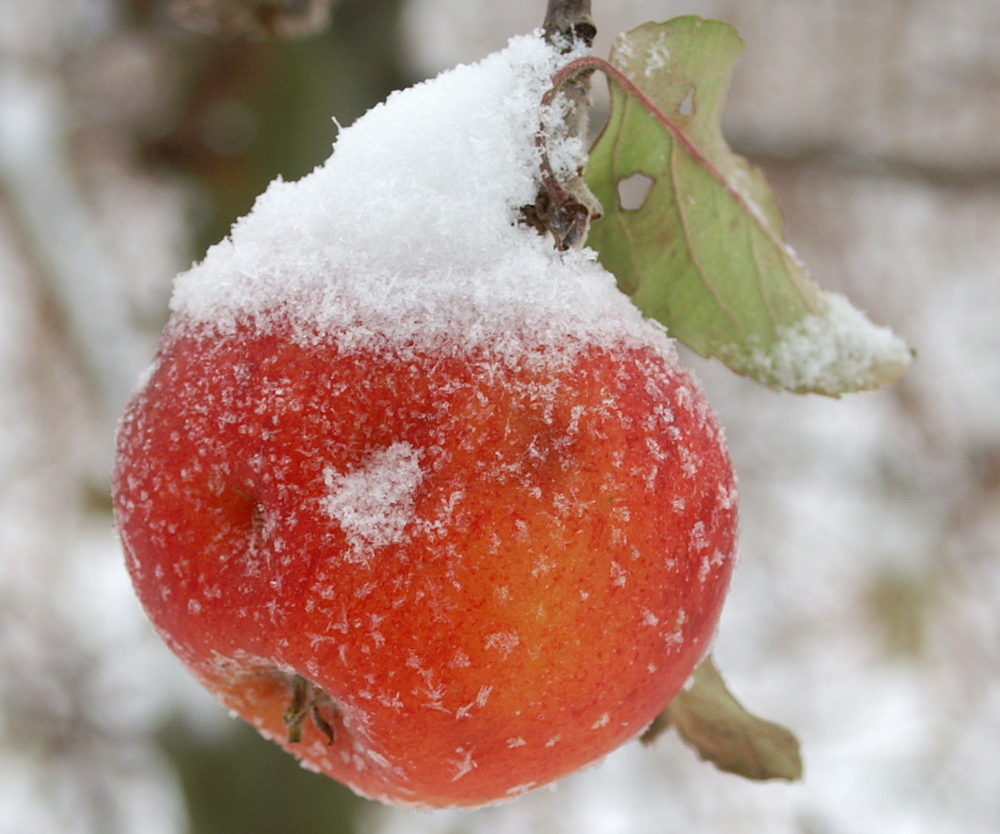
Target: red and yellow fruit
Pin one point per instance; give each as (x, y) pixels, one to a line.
(441, 576)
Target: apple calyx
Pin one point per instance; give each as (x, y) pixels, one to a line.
(308, 701)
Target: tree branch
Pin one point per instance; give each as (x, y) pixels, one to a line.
(565, 206)
(257, 19)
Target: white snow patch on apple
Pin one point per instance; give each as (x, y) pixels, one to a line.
(374, 503)
(410, 233)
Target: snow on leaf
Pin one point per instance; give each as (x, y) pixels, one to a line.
(719, 728)
(704, 252)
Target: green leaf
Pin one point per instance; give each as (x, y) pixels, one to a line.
(704, 253)
(716, 725)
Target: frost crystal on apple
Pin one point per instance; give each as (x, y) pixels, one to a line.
(373, 504)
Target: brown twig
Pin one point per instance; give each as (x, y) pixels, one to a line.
(565, 207)
(256, 19)
(567, 21)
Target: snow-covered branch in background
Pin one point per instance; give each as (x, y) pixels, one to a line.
(62, 236)
(83, 685)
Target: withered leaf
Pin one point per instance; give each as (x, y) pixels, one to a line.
(709, 718)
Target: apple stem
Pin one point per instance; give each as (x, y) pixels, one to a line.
(565, 206)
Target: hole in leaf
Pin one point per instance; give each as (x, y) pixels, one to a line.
(633, 191)
(686, 107)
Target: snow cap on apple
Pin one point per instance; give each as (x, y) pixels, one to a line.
(425, 500)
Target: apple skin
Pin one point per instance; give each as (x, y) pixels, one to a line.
(563, 541)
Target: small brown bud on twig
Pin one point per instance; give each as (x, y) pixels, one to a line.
(567, 21)
(253, 18)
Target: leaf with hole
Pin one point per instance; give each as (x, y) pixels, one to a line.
(694, 235)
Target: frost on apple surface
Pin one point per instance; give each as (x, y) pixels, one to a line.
(419, 446)
(427, 576)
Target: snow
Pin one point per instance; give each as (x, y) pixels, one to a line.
(374, 503)
(831, 350)
(410, 232)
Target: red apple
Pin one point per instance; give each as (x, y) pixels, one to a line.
(441, 576)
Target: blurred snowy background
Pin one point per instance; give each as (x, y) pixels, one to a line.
(865, 613)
